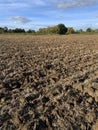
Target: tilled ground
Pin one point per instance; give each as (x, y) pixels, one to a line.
(49, 82)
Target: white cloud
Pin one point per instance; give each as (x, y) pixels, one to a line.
(22, 3)
(74, 3)
(65, 4)
(19, 19)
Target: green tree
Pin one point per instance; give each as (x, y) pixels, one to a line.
(70, 30)
(42, 31)
(88, 30)
(10, 30)
(58, 29)
(96, 30)
(19, 30)
(61, 29)
(31, 31)
(1, 30)
(5, 29)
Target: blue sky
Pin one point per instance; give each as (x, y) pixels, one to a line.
(36, 14)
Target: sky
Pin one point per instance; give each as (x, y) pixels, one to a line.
(35, 14)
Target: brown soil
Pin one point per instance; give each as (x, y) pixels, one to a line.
(49, 82)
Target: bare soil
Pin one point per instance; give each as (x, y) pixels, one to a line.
(49, 82)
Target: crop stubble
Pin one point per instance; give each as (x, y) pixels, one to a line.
(48, 82)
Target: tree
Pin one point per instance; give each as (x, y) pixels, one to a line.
(19, 30)
(81, 31)
(42, 31)
(70, 30)
(96, 30)
(5, 29)
(30, 31)
(88, 30)
(61, 29)
(11, 31)
(1, 30)
(58, 29)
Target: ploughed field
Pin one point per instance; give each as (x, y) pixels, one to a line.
(49, 82)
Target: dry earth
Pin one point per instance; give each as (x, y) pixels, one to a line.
(49, 82)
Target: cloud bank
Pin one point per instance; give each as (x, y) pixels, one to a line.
(19, 19)
(22, 3)
(75, 3)
(64, 4)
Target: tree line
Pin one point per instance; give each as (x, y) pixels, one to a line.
(57, 29)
